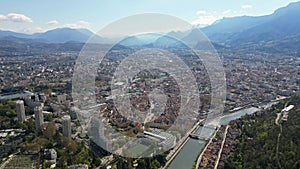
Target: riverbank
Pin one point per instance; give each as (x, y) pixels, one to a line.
(264, 142)
(193, 148)
(173, 153)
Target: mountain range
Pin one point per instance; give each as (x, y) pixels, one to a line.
(245, 30)
(59, 35)
(276, 31)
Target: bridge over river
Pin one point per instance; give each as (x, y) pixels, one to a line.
(188, 154)
(201, 135)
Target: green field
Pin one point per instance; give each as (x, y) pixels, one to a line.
(138, 149)
(22, 161)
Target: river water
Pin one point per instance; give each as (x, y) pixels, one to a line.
(187, 157)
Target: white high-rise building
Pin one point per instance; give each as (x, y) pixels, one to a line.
(66, 126)
(36, 98)
(20, 110)
(39, 118)
(61, 98)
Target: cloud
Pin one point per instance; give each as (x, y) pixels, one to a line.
(2, 17)
(205, 20)
(33, 30)
(14, 17)
(246, 6)
(26, 29)
(53, 22)
(201, 12)
(78, 25)
(84, 24)
(227, 11)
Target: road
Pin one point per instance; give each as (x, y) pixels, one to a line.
(222, 145)
(278, 139)
(200, 156)
(277, 118)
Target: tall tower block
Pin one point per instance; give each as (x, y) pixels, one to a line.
(66, 126)
(20, 110)
(39, 118)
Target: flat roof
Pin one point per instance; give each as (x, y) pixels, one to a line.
(290, 107)
(155, 135)
(17, 95)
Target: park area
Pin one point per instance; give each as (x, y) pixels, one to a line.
(20, 161)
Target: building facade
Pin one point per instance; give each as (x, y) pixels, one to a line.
(20, 110)
(66, 126)
(39, 118)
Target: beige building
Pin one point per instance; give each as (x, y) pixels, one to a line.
(20, 110)
(66, 126)
(39, 118)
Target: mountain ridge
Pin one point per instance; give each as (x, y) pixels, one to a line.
(282, 23)
(280, 29)
(58, 35)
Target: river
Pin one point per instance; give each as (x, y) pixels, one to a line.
(187, 156)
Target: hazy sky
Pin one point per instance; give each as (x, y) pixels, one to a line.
(40, 15)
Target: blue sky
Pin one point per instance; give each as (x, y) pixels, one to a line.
(29, 16)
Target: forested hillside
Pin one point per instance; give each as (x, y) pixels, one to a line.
(265, 144)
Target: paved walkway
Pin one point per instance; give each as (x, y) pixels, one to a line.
(7, 161)
(222, 145)
(200, 156)
(277, 118)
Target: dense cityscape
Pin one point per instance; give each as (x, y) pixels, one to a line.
(43, 124)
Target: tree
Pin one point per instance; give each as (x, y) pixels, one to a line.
(142, 164)
(98, 162)
(70, 145)
(47, 164)
(261, 151)
(87, 163)
(50, 130)
(155, 164)
(48, 117)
